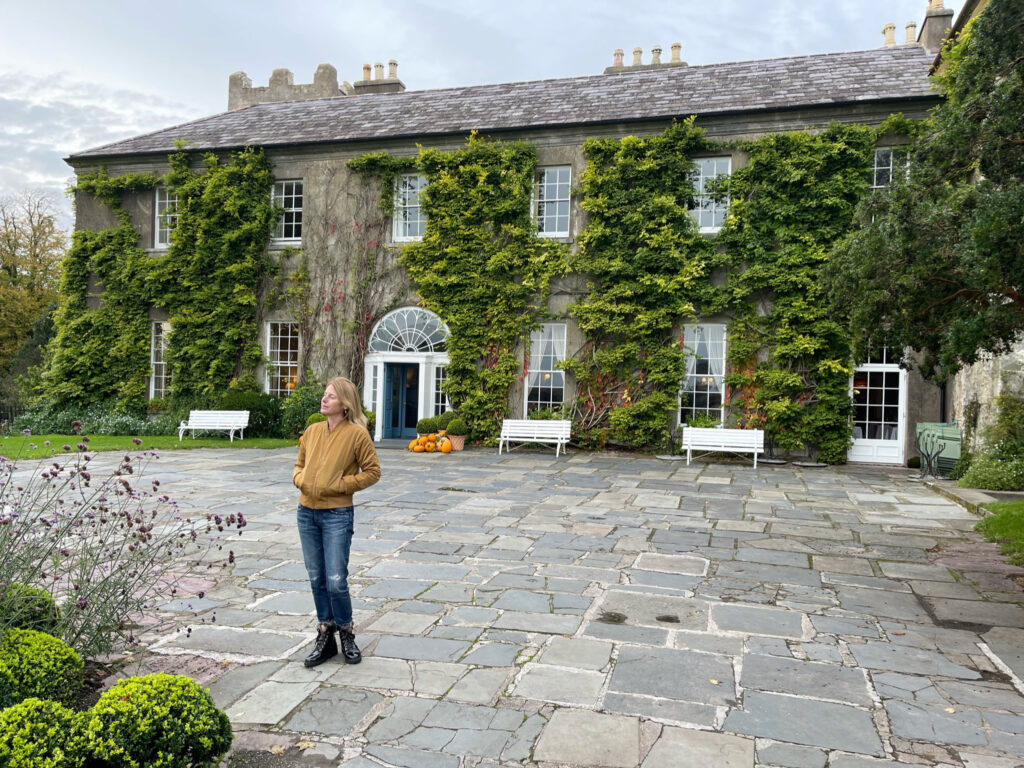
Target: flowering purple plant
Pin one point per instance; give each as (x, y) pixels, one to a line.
(101, 538)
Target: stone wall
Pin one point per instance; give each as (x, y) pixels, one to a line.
(983, 382)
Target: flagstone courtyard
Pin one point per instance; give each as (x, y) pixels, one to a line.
(606, 610)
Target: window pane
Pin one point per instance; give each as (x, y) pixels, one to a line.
(283, 354)
(288, 195)
(551, 201)
(707, 210)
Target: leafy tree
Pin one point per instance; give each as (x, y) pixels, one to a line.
(938, 260)
(31, 248)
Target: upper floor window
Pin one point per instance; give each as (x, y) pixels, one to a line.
(288, 195)
(703, 391)
(545, 382)
(165, 217)
(410, 222)
(159, 379)
(551, 201)
(889, 161)
(709, 209)
(283, 357)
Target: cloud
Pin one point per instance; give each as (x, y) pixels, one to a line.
(45, 118)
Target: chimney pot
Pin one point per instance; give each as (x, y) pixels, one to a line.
(378, 71)
(392, 69)
(656, 55)
(617, 58)
(676, 50)
(366, 71)
(911, 32)
(889, 30)
(638, 54)
(935, 5)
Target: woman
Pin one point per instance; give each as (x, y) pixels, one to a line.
(336, 459)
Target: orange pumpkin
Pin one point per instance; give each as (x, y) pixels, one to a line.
(432, 438)
(422, 440)
(412, 445)
(419, 448)
(430, 446)
(446, 446)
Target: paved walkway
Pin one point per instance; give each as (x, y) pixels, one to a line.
(606, 610)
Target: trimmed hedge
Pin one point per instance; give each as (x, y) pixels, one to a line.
(37, 733)
(26, 607)
(42, 666)
(156, 721)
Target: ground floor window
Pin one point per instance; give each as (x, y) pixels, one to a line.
(441, 403)
(545, 383)
(160, 378)
(703, 391)
(283, 358)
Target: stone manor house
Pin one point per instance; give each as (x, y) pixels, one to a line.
(307, 130)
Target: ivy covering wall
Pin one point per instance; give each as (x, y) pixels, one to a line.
(480, 265)
(209, 281)
(648, 271)
(788, 348)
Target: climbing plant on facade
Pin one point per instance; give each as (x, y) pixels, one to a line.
(210, 281)
(102, 353)
(480, 265)
(789, 352)
(647, 268)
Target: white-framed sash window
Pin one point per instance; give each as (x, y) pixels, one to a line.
(545, 382)
(888, 162)
(410, 222)
(159, 377)
(282, 358)
(703, 387)
(708, 209)
(551, 200)
(165, 217)
(441, 403)
(288, 196)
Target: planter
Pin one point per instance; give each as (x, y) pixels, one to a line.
(458, 442)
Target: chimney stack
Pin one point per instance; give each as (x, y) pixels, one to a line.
(638, 65)
(937, 22)
(379, 83)
(911, 32)
(889, 30)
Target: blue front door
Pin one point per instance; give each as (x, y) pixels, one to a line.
(401, 399)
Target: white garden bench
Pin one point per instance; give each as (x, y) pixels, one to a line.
(716, 440)
(535, 431)
(232, 421)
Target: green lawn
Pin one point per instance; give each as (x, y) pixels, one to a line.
(1006, 525)
(17, 445)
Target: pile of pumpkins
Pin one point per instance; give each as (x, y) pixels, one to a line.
(435, 442)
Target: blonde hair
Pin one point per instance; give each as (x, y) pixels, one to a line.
(348, 396)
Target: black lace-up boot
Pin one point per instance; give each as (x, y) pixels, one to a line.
(324, 648)
(349, 650)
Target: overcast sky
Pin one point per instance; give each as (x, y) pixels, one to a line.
(75, 75)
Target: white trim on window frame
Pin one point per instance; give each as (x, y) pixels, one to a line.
(706, 378)
(163, 222)
(704, 204)
(273, 365)
(399, 221)
(158, 360)
(559, 341)
(540, 184)
(286, 193)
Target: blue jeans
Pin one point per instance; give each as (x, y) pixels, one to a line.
(326, 536)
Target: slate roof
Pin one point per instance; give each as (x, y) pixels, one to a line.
(880, 74)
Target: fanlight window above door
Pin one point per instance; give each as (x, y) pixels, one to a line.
(410, 329)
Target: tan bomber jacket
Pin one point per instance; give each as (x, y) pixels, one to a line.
(333, 465)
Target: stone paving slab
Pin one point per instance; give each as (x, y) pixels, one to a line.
(777, 617)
